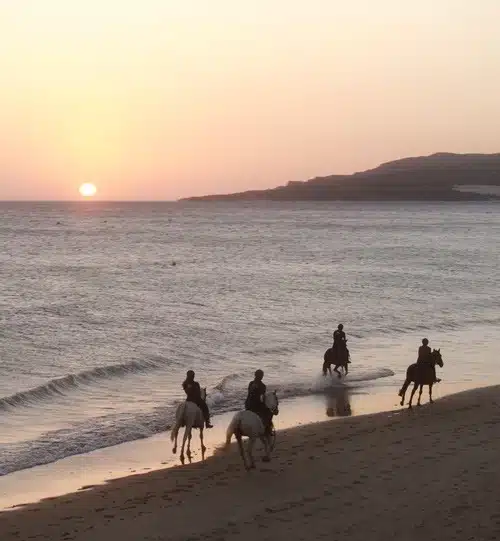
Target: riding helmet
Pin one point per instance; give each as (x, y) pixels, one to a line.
(190, 374)
(425, 341)
(259, 374)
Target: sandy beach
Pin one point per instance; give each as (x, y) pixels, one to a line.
(427, 473)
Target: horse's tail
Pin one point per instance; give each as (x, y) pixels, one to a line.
(408, 380)
(233, 428)
(179, 414)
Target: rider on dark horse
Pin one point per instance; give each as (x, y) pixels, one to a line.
(425, 357)
(340, 342)
(255, 401)
(193, 394)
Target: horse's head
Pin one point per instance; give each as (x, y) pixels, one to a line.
(271, 400)
(436, 357)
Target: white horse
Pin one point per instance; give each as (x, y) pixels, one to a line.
(247, 423)
(189, 415)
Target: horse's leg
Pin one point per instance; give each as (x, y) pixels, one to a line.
(430, 394)
(242, 451)
(412, 393)
(203, 448)
(174, 450)
(402, 391)
(265, 441)
(251, 441)
(184, 438)
(336, 369)
(420, 394)
(346, 368)
(188, 452)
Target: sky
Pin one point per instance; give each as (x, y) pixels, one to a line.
(163, 99)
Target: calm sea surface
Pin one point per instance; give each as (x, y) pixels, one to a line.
(103, 308)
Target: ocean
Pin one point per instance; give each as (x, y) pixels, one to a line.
(105, 306)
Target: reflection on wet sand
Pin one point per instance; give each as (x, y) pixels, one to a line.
(337, 402)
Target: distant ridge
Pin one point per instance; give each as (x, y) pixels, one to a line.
(439, 177)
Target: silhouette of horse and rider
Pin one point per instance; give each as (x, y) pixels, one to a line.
(338, 354)
(421, 373)
(256, 421)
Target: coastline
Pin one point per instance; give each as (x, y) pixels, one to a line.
(325, 475)
(101, 466)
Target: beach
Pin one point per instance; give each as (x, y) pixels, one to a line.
(426, 473)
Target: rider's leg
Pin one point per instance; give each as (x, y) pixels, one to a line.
(206, 414)
(268, 421)
(436, 379)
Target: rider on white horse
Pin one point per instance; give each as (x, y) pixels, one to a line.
(193, 394)
(255, 401)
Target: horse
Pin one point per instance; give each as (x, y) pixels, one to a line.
(247, 423)
(337, 357)
(421, 374)
(189, 415)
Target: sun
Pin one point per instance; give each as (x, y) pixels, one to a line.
(87, 190)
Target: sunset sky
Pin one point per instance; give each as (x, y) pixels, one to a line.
(161, 99)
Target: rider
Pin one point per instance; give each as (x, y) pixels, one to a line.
(255, 401)
(340, 340)
(193, 394)
(424, 356)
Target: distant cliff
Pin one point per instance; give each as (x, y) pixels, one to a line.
(439, 177)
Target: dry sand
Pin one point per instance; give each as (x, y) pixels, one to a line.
(429, 473)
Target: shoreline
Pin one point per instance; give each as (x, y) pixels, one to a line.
(99, 467)
(429, 472)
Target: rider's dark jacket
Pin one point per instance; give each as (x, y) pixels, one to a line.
(424, 354)
(193, 391)
(255, 390)
(339, 339)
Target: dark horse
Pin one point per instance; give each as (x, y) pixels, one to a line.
(421, 374)
(337, 357)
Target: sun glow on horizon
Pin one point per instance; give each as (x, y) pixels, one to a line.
(87, 190)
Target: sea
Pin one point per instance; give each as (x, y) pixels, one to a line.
(105, 306)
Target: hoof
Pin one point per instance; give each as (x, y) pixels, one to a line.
(419, 404)
(402, 403)
(174, 450)
(431, 401)
(410, 406)
(182, 460)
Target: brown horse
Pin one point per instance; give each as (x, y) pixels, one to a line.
(337, 357)
(421, 374)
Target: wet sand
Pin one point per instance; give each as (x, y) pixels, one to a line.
(69, 474)
(429, 473)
